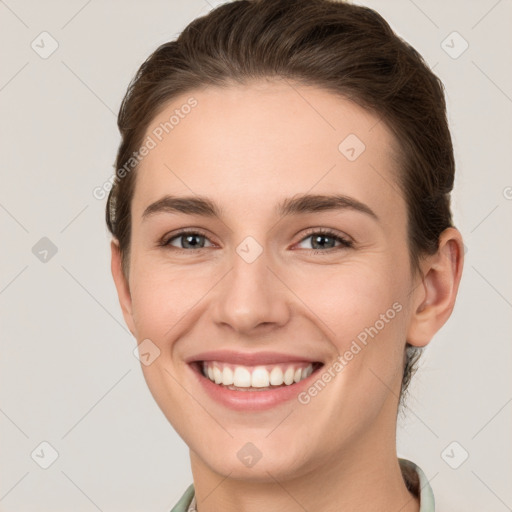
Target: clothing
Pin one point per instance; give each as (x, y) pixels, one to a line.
(416, 482)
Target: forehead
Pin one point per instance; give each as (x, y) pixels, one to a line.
(251, 145)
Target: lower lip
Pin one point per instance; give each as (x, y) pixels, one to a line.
(252, 400)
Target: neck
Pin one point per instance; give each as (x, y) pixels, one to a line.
(365, 475)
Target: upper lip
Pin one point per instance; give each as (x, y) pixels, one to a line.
(248, 358)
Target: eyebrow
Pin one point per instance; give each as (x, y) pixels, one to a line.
(301, 204)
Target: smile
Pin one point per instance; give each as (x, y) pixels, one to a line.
(255, 378)
(252, 381)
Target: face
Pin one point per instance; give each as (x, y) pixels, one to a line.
(307, 301)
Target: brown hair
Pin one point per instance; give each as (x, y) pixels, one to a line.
(346, 49)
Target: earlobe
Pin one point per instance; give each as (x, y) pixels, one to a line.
(435, 297)
(122, 286)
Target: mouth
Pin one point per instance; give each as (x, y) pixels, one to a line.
(255, 378)
(252, 387)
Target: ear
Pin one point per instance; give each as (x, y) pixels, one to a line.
(434, 298)
(122, 286)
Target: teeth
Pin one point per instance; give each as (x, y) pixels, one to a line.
(260, 378)
(276, 376)
(227, 376)
(256, 377)
(217, 375)
(288, 376)
(242, 377)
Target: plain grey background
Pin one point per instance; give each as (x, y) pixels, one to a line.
(69, 377)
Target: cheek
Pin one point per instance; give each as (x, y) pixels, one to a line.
(361, 309)
(158, 305)
(164, 293)
(350, 297)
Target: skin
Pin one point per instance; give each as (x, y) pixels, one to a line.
(247, 148)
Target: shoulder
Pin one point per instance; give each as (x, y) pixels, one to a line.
(185, 501)
(418, 484)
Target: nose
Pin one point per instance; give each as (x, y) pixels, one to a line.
(252, 297)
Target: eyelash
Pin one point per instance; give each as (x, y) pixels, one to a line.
(345, 243)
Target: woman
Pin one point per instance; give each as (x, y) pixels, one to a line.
(283, 249)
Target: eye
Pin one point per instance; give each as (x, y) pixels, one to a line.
(325, 239)
(187, 239)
